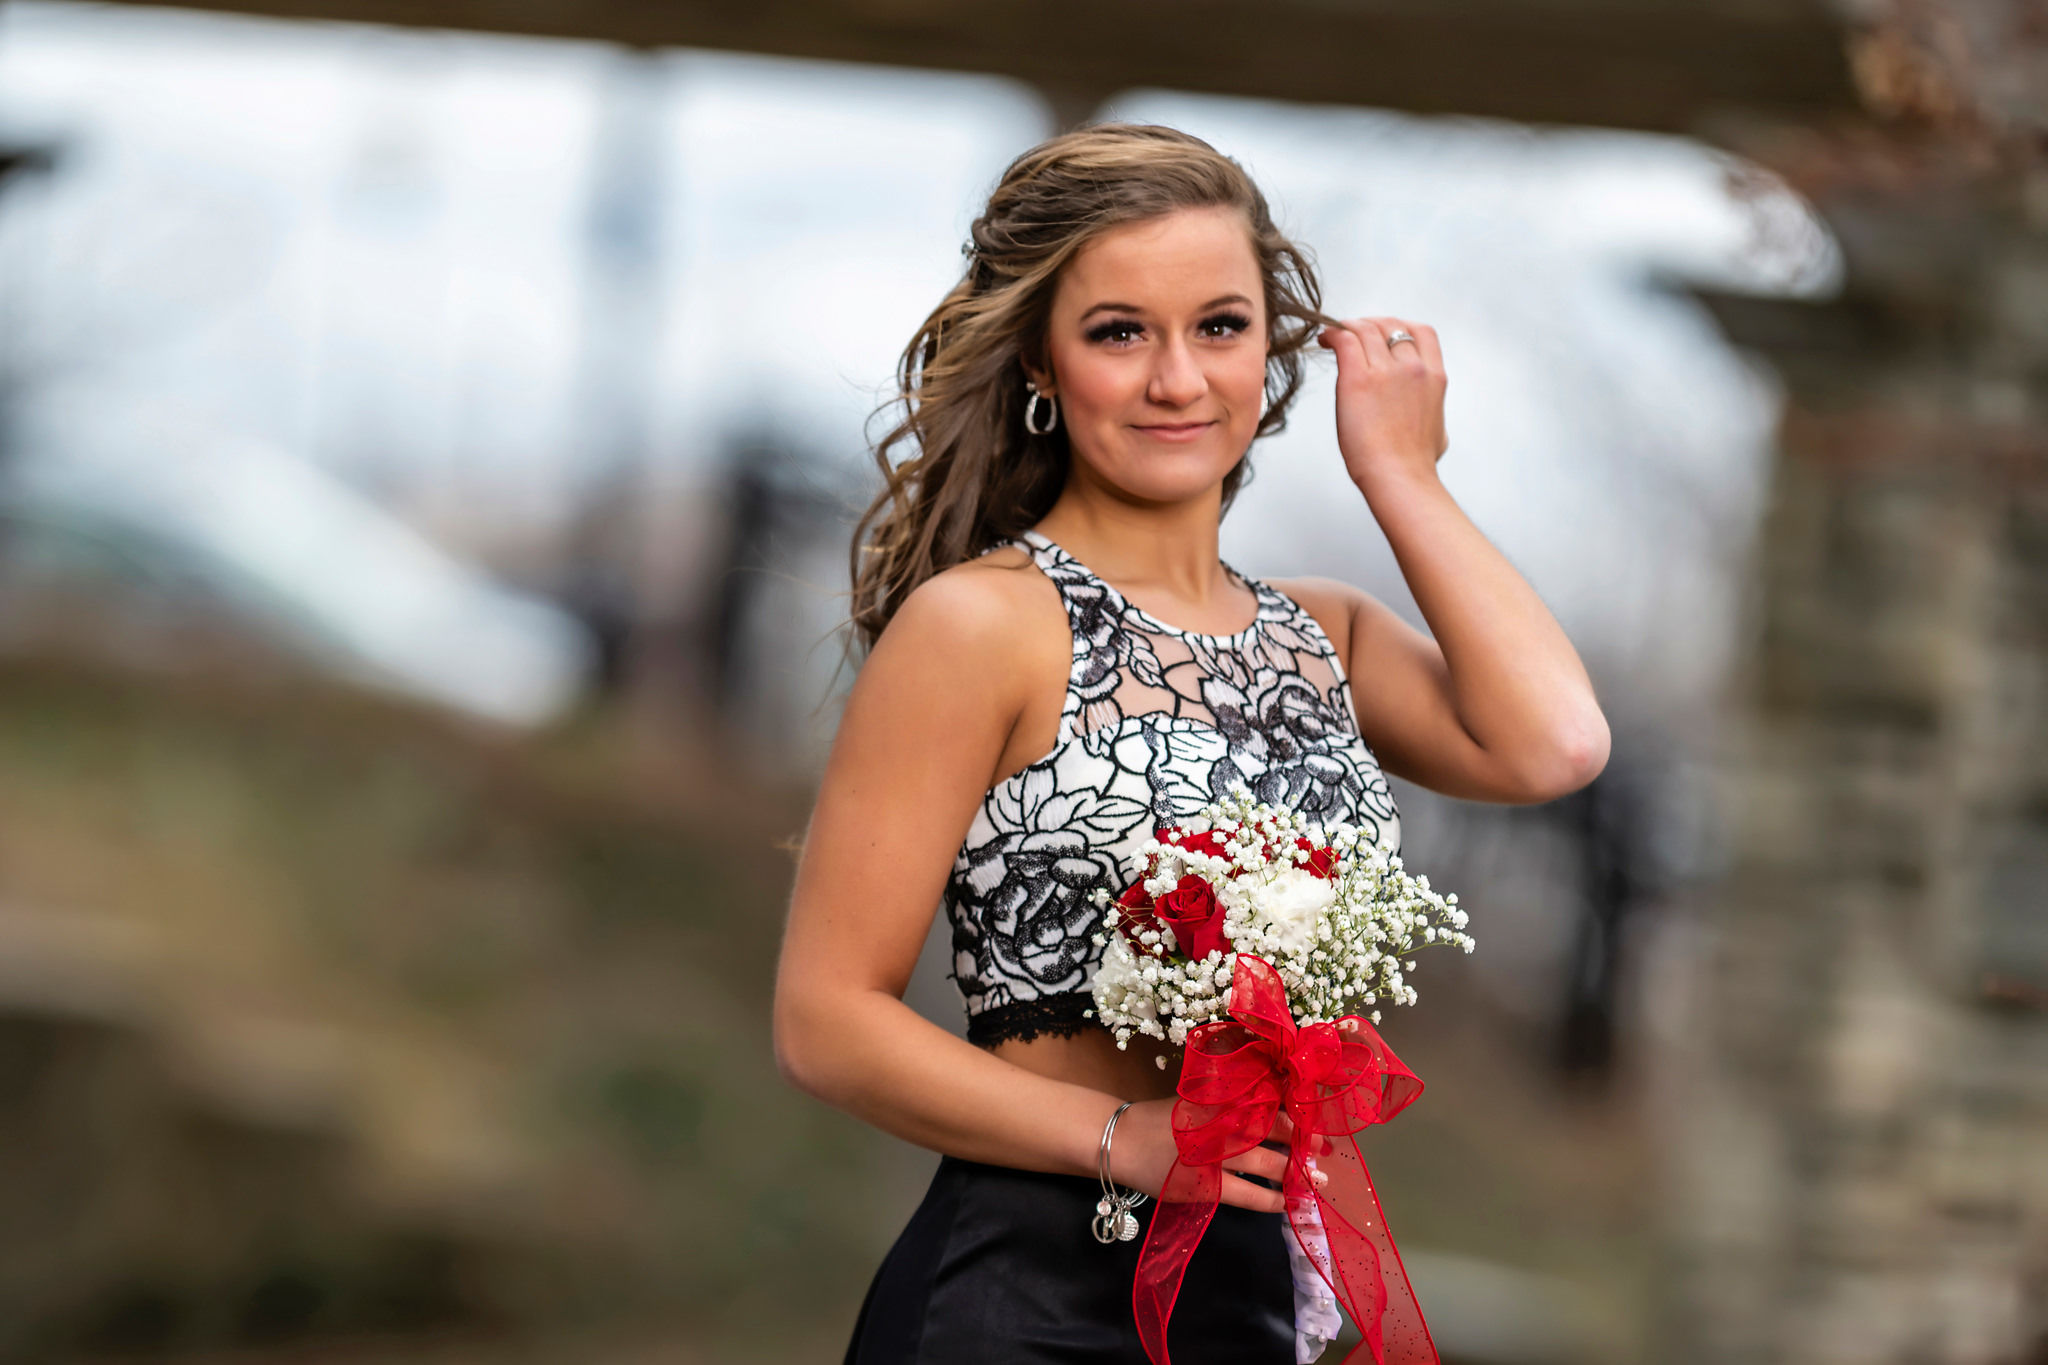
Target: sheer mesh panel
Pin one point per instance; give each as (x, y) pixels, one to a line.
(1156, 723)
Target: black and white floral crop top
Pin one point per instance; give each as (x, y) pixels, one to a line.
(1157, 722)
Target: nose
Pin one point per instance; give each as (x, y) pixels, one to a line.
(1177, 380)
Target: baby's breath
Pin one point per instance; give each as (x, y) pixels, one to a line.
(1341, 944)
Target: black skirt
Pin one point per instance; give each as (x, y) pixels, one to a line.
(998, 1267)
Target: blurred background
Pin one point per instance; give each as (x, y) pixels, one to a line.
(429, 439)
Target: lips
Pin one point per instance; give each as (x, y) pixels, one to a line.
(1176, 431)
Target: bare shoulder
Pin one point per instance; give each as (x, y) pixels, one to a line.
(981, 613)
(964, 654)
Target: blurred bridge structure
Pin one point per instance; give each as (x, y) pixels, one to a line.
(1671, 66)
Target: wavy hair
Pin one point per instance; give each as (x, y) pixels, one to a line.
(973, 475)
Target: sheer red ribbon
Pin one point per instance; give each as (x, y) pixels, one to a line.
(1239, 1075)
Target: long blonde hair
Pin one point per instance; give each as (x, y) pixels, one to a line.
(974, 475)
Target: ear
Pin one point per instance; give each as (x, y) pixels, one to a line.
(1038, 374)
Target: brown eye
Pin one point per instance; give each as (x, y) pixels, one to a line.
(1230, 324)
(1113, 331)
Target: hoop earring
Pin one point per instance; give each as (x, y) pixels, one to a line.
(1031, 411)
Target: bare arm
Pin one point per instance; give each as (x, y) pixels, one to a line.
(1497, 706)
(923, 727)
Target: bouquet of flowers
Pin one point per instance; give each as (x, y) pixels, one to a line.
(1253, 939)
(1338, 918)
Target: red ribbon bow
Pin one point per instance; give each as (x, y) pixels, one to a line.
(1239, 1074)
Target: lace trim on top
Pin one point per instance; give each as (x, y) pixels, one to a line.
(1060, 1016)
(1156, 722)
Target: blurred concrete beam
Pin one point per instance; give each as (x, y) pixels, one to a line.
(1668, 67)
(19, 159)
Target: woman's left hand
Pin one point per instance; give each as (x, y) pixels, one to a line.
(1390, 399)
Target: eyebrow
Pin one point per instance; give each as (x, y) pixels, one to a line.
(1133, 308)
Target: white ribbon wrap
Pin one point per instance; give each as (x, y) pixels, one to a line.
(1316, 1318)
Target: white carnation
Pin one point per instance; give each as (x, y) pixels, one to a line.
(1292, 904)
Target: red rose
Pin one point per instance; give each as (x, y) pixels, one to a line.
(1321, 861)
(1208, 841)
(1137, 916)
(1192, 912)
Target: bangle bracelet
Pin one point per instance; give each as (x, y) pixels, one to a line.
(1114, 1221)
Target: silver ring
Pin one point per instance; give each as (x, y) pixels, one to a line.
(1401, 334)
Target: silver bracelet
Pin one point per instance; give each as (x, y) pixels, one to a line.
(1114, 1221)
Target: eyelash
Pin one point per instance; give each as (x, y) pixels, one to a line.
(1106, 331)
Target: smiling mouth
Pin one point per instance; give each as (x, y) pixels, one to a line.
(1175, 429)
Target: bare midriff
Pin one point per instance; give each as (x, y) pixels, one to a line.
(1092, 1059)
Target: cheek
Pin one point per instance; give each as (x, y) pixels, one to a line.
(1094, 383)
(1245, 380)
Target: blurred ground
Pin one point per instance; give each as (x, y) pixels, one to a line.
(401, 1026)
(490, 1017)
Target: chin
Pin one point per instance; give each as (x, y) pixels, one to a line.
(1200, 464)
(1178, 485)
(1205, 453)
(1165, 472)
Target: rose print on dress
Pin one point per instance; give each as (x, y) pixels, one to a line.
(1156, 723)
(1281, 733)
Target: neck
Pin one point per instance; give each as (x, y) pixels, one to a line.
(1167, 550)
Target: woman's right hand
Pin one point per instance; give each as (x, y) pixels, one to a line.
(1142, 1151)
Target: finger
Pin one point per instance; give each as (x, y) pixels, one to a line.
(1266, 1163)
(1311, 1144)
(1315, 1146)
(1398, 352)
(1373, 338)
(1271, 1163)
(1348, 346)
(1413, 351)
(1245, 1195)
(1425, 337)
(1308, 1144)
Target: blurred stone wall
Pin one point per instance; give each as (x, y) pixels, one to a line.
(1862, 1138)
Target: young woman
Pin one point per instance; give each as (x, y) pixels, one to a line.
(1059, 664)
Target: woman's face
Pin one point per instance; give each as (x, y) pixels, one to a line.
(1157, 341)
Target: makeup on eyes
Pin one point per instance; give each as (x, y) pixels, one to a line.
(1105, 331)
(1110, 329)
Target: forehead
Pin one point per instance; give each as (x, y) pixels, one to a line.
(1183, 259)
